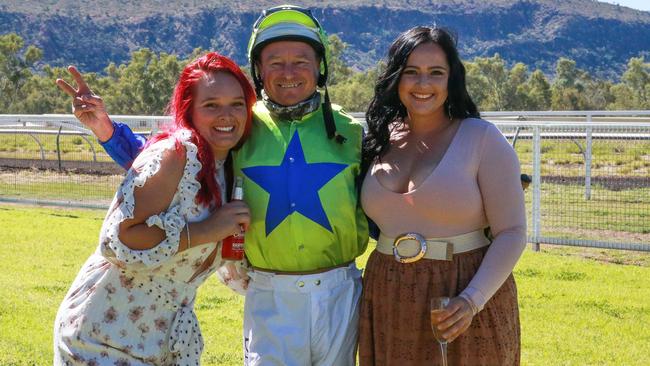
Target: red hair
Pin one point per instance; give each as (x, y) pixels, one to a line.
(180, 107)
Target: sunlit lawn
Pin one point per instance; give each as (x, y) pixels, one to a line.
(574, 310)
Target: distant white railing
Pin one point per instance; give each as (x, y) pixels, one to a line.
(590, 169)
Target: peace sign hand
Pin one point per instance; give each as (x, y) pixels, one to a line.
(86, 106)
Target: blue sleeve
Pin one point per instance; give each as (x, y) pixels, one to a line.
(124, 146)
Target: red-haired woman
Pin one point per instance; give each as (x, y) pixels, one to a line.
(132, 302)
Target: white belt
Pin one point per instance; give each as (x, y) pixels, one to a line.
(411, 247)
(303, 283)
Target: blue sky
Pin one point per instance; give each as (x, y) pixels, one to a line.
(635, 4)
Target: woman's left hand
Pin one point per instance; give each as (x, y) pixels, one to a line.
(455, 319)
(234, 276)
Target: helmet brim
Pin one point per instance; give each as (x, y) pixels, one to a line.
(287, 32)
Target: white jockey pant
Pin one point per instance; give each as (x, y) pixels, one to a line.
(302, 320)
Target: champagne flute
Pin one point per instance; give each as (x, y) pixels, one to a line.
(438, 304)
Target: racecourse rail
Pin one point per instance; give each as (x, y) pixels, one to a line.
(590, 170)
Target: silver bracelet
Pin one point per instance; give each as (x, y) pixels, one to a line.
(187, 228)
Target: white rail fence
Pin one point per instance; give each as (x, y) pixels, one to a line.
(590, 170)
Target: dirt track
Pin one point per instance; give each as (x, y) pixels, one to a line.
(611, 182)
(81, 167)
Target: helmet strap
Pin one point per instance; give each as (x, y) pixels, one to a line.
(322, 77)
(257, 80)
(328, 117)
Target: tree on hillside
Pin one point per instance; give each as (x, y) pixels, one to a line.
(487, 81)
(575, 89)
(338, 70)
(598, 94)
(517, 90)
(354, 93)
(41, 95)
(478, 86)
(566, 89)
(352, 90)
(494, 87)
(634, 90)
(15, 70)
(566, 73)
(539, 92)
(637, 77)
(144, 85)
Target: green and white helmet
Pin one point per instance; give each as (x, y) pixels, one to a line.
(287, 23)
(293, 23)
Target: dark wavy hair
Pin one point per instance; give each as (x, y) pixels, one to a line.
(386, 108)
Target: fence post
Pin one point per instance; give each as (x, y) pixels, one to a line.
(91, 148)
(40, 146)
(58, 147)
(588, 136)
(537, 190)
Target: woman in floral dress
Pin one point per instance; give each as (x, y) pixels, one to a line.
(132, 301)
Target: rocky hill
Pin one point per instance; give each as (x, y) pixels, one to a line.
(600, 37)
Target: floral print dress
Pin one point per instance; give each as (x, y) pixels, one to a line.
(135, 307)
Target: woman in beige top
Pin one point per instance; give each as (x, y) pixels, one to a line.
(435, 169)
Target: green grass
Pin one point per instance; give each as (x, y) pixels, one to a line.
(609, 157)
(578, 306)
(577, 311)
(21, 146)
(41, 250)
(564, 207)
(52, 185)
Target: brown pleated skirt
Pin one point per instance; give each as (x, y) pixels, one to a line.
(394, 324)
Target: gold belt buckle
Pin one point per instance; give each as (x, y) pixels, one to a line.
(413, 258)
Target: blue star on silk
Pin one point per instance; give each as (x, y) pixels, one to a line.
(293, 186)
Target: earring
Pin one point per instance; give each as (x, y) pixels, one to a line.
(449, 111)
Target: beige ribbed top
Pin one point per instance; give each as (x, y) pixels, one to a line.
(475, 184)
